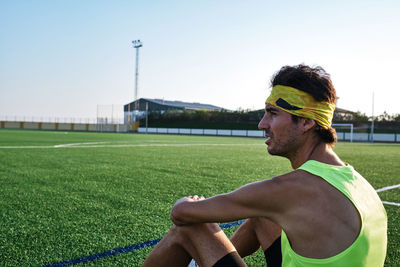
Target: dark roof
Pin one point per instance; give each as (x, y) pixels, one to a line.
(342, 110)
(161, 104)
(186, 105)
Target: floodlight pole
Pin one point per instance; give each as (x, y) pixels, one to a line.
(147, 116)
(136, 44)
(372, 123)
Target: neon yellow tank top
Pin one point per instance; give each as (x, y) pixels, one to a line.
(369, 249)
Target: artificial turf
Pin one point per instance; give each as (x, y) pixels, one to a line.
(66, 195)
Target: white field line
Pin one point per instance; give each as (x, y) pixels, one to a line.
(166, 145)
(391, 203)
(26, 147)
(96, 145)
(78, 144)
(101, 144)
(387, 188)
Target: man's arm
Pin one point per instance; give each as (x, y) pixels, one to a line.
(260, 199)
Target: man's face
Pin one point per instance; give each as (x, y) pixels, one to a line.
(281, 132)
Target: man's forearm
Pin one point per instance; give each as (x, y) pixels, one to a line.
(178, 215)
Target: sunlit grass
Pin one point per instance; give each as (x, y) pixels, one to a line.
(64, 203)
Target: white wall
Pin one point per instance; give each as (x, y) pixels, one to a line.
(357, 137)
(64, 126)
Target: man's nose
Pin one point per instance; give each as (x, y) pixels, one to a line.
(263, 124)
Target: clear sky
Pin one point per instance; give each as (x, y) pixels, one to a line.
(62, 58)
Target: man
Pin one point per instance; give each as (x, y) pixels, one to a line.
(321, 214)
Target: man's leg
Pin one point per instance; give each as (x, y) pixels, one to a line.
(206, 243)
(257, 232)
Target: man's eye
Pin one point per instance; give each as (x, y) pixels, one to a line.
(270, 112)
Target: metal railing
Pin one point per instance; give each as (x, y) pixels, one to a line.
(99, 120)
(342, 136)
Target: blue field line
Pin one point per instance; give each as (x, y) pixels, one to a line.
(126, 249)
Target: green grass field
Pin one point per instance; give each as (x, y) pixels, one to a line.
(66, 195)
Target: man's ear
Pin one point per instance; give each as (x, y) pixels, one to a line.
(307, 124)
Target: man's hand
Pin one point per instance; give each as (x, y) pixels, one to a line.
(182, 201)
(189, 199)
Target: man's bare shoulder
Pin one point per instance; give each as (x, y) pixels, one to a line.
(283, 193)
(295, 180)
(303, 182)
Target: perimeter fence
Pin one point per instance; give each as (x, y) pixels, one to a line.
(342, 136)
(118, 125)
(98, 120)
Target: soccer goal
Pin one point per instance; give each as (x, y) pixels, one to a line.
(344, 131)
(109, 115)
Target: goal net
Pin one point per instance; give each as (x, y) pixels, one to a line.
(344, 131)
(110, 114)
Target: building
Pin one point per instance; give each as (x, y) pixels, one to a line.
(137, 108)
(343, 111)
(163, 105)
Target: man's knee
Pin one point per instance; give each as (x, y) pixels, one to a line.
(187, 232)
(268, 234)
(205, 242)
(265, 225)
(265, 230)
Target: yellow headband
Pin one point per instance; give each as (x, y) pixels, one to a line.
(301, 104)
